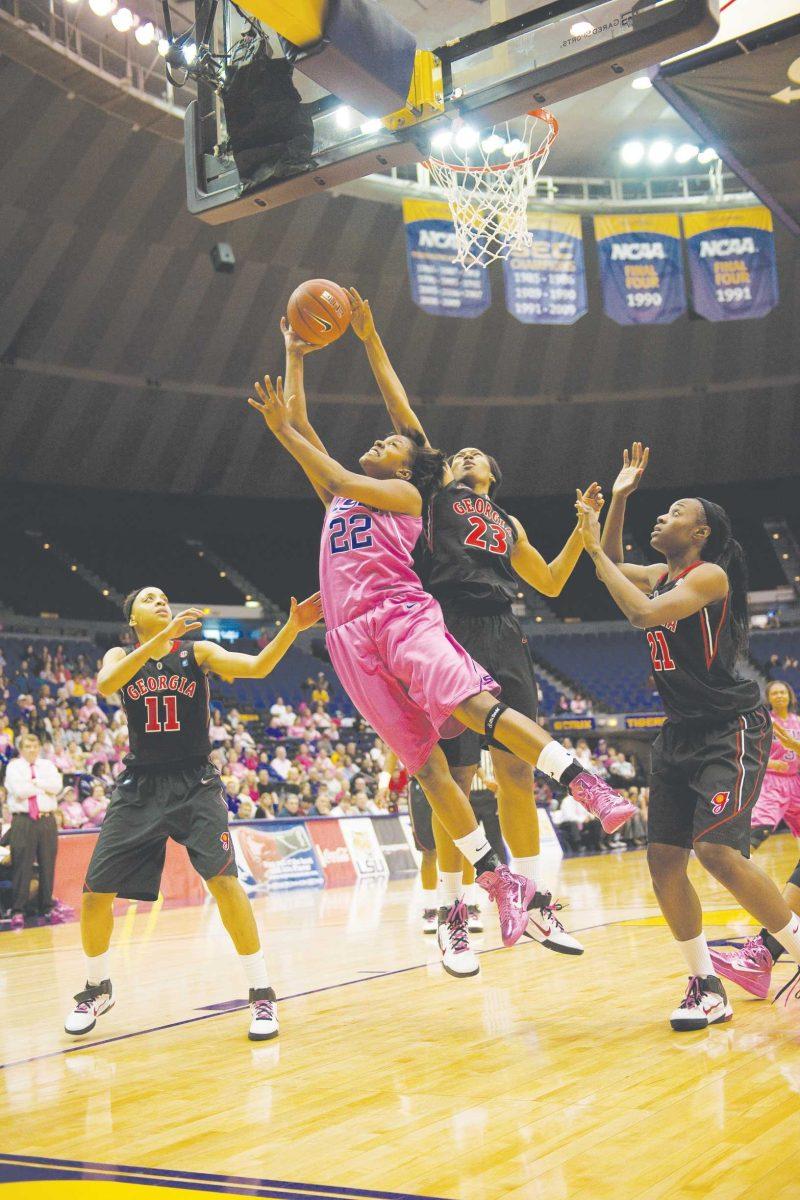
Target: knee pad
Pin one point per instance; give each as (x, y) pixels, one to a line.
(492, 717)
(759, 834)
(795, 876)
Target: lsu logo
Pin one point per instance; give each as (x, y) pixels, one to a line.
(719, 802)
(225, 838)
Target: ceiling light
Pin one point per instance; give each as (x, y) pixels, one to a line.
(122, 20)
(686, 153)
(102, 8)
(491, 143)
(374, 125)
(441, 139)
(72, 1)
(105, 591)
(467, 137)
(344, 117)
(708, 155)
(189, 53)
(581, 28)
(632, 153)
(251, 603)
(163, 47)
(784, 556)
(222, 575)
(776, 536)
(660, 150)
(538, 619)
(641, 83)
(145, 33)
(73, 567)
(46, 546)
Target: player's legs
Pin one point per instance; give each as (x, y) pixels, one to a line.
(236, 914)
(421, 817)
(516, 806)
(748, 884)
(674, 891)
(452, 920)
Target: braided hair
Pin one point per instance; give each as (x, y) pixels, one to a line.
(722, 548)
(427, 465)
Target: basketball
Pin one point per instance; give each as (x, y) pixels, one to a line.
(319, 311)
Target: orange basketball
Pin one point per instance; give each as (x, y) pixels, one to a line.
(319, 311)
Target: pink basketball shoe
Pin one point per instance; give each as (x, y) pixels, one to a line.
(749, 965)
(612, 809)
(512, 894)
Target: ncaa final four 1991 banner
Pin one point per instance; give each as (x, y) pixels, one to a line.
(546, 283)
(732, 263)
(641, 270)
(439, 285)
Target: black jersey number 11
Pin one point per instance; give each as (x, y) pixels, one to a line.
(171, 723)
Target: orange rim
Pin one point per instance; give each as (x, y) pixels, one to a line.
(541, 114)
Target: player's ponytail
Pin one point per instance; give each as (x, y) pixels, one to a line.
(722, 548)
(427, 466)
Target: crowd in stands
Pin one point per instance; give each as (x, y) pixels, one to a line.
(306, 759)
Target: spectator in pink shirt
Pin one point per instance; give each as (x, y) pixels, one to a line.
(96, 804)
(72, 811)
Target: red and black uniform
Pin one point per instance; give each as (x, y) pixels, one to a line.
(464, 560)
(169, 788)
(710, 757)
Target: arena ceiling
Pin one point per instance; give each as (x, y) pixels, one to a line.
(125, 359)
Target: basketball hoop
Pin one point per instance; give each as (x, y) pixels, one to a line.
(488, 187)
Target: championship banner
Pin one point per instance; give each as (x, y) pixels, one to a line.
(439, 285)
(278, 857)
(546, 283)
(641, 270)
(332, 853)
(361, 841)
(399, 858)
(732, 263)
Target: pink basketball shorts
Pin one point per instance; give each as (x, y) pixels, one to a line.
(406, 674)
(779, 800)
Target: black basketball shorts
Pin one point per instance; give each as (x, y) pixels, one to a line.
(706, 779)
(185, 803)
(498, 644)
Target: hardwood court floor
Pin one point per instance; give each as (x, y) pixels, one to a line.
(544, 1078)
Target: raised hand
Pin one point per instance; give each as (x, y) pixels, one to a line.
(293, 342)
(633, 466)
(185, 622)
(361, 319)
(588, 522)
(593, 496)
(306, 613)
(272, 406)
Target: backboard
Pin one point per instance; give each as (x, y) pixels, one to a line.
(532, 58)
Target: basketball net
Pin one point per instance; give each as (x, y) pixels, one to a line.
(488, 187)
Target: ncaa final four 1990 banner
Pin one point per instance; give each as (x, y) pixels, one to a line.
(732, 263)
(546, 283)
(641, 270)
(438, 284)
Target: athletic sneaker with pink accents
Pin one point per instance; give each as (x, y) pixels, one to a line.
(749, 965)
(512, 894)
(612, 809)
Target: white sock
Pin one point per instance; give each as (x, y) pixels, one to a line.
(255, 969)
(698, 959)
(554, 760)
(473, 846)
(450, 888)
(529, 867)
(97, 968)
(789, 938)
(430, 897)
(471, 891)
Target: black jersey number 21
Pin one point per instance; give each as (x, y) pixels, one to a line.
(659, 651)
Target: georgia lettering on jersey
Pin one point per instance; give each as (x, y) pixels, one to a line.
(167, 707)
(467, 562)
(694, 662)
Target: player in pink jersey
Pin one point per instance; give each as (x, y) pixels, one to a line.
(391, 649)
(779, 798)
(751, 965)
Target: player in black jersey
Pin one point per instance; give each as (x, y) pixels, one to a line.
(170, 790)
(710, 757)
(471, 559)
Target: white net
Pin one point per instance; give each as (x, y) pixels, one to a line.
(488, 183)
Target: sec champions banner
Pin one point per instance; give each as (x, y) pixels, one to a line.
(546, 283)
(732, 263)
(439, 285)
(641, 270)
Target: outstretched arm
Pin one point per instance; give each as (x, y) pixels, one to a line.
(230, 665)
(633, 467)
(705, 584)
(549, 578)
(119, 668)
(296, 350)
(785, 738)
(390, 495)
(395, 398)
